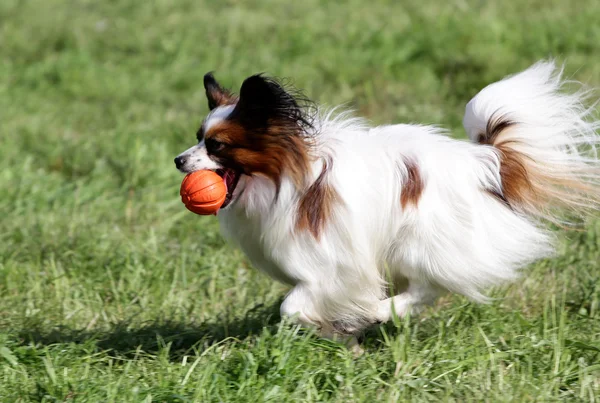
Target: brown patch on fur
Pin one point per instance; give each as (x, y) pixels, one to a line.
(529, 185)
(316, 204)
(270, 152)
(413, 187)
(516, 184)
(226, 132)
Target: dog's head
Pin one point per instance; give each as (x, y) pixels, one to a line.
(263, 131)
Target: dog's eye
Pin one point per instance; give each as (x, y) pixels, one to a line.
(213, 145)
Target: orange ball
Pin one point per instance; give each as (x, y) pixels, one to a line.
(203, 192)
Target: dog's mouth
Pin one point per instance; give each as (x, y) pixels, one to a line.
(231, 178)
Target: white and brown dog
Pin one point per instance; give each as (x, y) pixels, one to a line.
(345, 213)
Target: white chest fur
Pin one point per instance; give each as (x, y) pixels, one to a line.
(248, 235)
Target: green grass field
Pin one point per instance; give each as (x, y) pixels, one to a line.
(111, 291)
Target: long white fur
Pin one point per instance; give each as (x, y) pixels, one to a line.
(554, 132)
(458, 238)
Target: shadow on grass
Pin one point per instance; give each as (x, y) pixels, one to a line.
(184, 338)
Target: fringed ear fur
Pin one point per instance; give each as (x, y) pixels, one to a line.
(217, 95)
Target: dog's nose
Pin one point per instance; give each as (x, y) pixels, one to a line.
(180, 161)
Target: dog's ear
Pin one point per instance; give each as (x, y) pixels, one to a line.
(260, 92)
(216, 94)
(261, 99)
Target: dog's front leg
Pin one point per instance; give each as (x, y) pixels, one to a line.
(299, 305)
(413, 300)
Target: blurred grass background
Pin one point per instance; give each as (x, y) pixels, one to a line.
(111, 291)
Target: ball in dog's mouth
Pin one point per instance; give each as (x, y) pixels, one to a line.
(231, 178)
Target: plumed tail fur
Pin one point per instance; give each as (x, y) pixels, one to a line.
(545, 140)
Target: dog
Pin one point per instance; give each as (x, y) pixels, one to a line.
(367, 223)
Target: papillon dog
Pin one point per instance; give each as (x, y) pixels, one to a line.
(367, 223)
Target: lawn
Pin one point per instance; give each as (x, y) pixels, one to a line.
(111, 291)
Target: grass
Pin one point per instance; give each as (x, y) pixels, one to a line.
(111, 291)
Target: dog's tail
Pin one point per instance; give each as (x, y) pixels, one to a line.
(545, 141)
